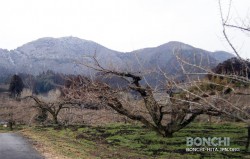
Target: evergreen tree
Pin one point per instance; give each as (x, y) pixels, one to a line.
(16, 86)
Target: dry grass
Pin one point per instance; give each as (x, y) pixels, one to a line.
(43, 145)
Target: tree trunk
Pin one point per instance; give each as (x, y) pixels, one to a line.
(55, 120)
(248, 138)
(168, 134)
(10, 125)
(210, 119)
(169, 130)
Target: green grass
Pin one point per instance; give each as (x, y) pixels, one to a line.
(6, 129)
(135, 141)
(3, 129)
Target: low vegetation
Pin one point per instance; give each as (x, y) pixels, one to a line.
(132, 141)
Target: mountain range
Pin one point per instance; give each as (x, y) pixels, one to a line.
(67, 54)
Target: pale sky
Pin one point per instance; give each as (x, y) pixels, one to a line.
(124, 25)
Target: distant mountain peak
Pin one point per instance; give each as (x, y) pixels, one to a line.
(70, 39)
(73, 38)
(48, 45)
(177, 45)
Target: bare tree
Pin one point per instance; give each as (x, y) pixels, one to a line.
(51, 107)
(164, 118)
(244, 27)
(15, 112)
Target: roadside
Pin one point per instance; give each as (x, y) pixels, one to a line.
(44, 145)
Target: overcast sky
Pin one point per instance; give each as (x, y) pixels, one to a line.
(123, 25)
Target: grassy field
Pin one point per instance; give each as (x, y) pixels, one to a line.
(134, 141)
